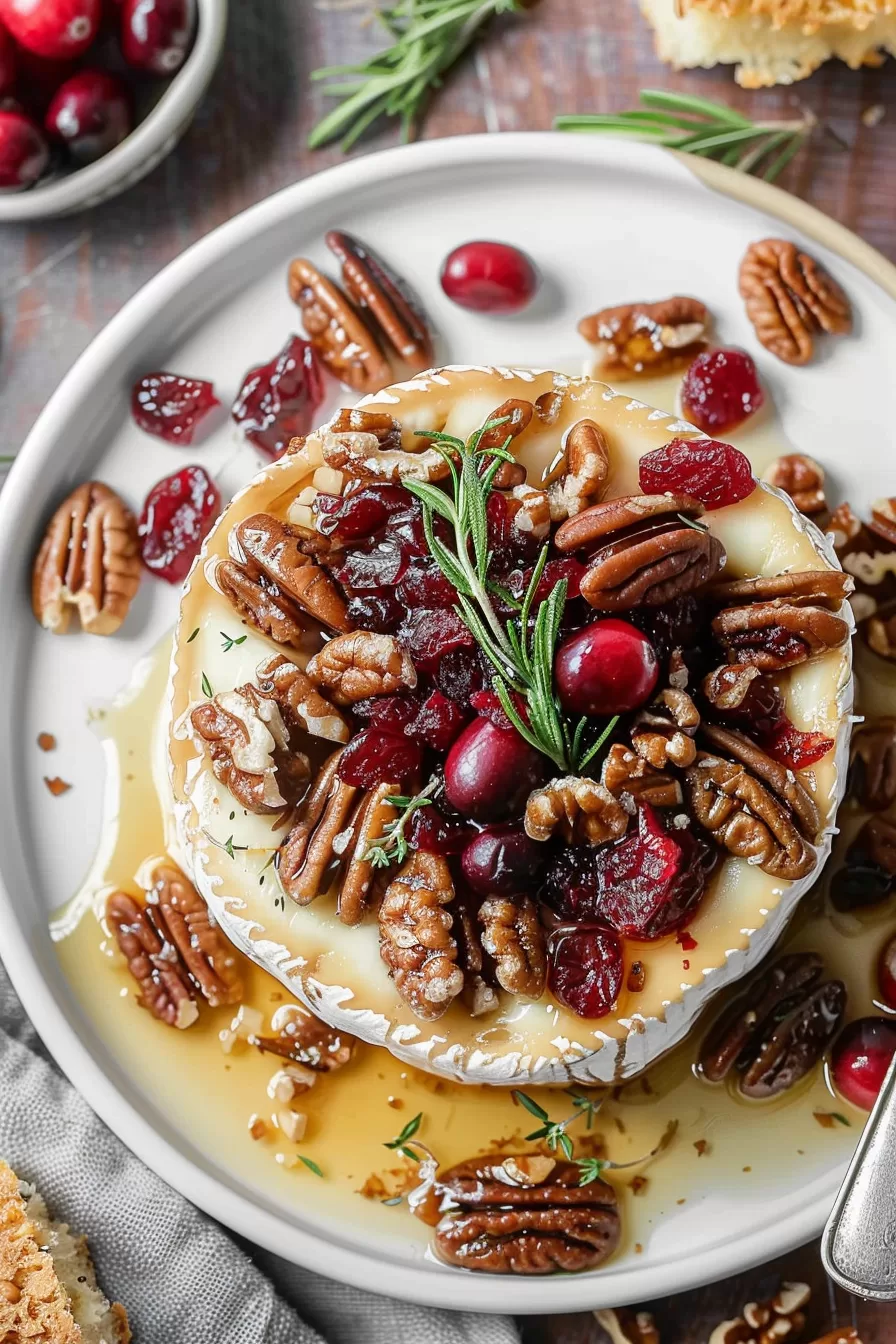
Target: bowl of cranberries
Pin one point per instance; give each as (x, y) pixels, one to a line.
(95, 93)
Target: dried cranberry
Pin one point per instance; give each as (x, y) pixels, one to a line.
(886, 973)
(569, 568)
(461, 673)
(378, 610)
(570, 886)
(406, 529)
(489, 277)
(374, 757)
(389, 713)
(379, 564)
(438, 721)
(432, 830)
(491, 771)
(650, 881)
(90, 113)
(176, 517)
(429, 635)
(156, 34)
(610, 667)
(861, 1059)
(585, 969)
(713, 472)
(489, 706)
(170, 406)
(23, 151)
(760, 712)
(503, 860)
(426, 586)
(720, 390)
(278, 400)
(680, 624)
(361, 514)
(55, 29)
(795, 749)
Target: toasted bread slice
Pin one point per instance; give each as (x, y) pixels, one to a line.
(48, 1288)
(772, 41)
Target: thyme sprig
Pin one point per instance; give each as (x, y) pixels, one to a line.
(703, 127)
(393, 845)
(554, 1132)
(401, 1142)
(427, 38)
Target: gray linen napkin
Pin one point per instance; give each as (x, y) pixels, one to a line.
(181, 1276)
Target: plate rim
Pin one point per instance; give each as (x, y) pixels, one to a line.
(214, 1194)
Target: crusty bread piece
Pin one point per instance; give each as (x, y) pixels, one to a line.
(48, 1288)
(772, 41)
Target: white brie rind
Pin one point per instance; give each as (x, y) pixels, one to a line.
(336, 970)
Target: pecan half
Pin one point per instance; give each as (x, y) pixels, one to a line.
(513, 936)
(417, 942)
(262, 605)
(356, 666)
(775, 776)
(480, 993)
(517, 416)
(630, 779)
(772, 635)
(367, 445)
(819, 587)
(646, 338)
(303, 707)
(272, 552)
(623, 515)
(321, 831)
(651, 567)
(249, 746)
(89, 559)
(393, 307)
(728, 686)
(498, 1225)
(341, 339)
(628, 1327)
(664, 732)
(302, 1038)
(369, 826)
(868, 874)
(791, 977)
(578, 810)
(800, 477)
(164, 986)
(873, 764)
(530, 511)
(746, 818)
(584, 469)
(789, 297)
(182, 917)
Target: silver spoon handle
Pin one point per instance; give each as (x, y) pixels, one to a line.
(858, 1246)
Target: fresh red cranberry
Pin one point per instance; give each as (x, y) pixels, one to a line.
(489, 706)
(650, 881)
(90, 113)
(378, 610)
(460, 674)
(178, 512)
(429, 635)
(793, 748)
(23, 151)
(610, 667)
(488, 277)
(7, 64)
(712, 472)
(170, 406)
(374, 757)
(438, 722)
(491, 771)
(278, 401)
(585, 969)
(432, 830)
(156, 34)
(389, 713)
(503, 860)
(861, 1058)
(568, 568)
(361, 514)
(426, 586)
(886, 973)
(56, 29)
(720, 390)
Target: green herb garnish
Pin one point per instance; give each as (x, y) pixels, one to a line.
(206, 687)
(312, 1166)
(401, 1141)
(590, 1169)
(393, 846)
(193, 636)
(229, 641)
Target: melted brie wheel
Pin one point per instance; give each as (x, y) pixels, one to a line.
(337, 970)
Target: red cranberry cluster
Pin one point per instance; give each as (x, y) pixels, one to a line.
(69, 71)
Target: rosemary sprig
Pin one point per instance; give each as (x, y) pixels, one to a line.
(700, 126)
(393, 846)
(427, 38)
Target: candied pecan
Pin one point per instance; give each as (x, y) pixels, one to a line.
(389, 300)
(530, 511)
(369, 827)
(651, 567)
(272, 553)
(820, 587)
(873, 764)
(341, 339)
(792, 977)
(797, 1044)
(775, 776)
(165, 988)
(516, 415)
(883, 519)
(356, 666)
(182, 917)
(580, 810)
(772, 635)
(868, 874)
(417, 942)
(633, 781)
(789, 297)
(303, 707)
(602, 521)
(664, 731)
(646, 338)
(513, 936)
(262, 605)
(301, 1037)
(367, 445)
(744, 817)
(584, 469)
(727, 687)
(781, 1318)
(628, 1327)
(800, 477)
(249, 745)
(498, 1225)
(866, 555)
(89, 559)
(880, 635)
(321, 832)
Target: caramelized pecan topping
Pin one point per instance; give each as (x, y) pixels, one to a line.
(603, 521)
(664, 732)
(367, 445)
(880, 635)
(772, 635)
(517, 416)
(262, 605)
(770, 1322)
(789, 297)
(249, 745)
(301, 1037)
(392, 305)
(164, 986)
(883, 519)
(585, 472)
(630, 779)
(479, 993)
(356, 666)
(303, 707)
(819, 587)
(272, 553)
(530, 511)
(89, 559)
(341, 339)
(499, 1221)
(646, 338)
(777, 777)
(581, 811)
(417, 941)
(746, 818)
(512, 935)
(369, 825)
(726, 688)
(802, 478)
(873, 760)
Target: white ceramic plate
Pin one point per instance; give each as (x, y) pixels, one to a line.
(606, 222)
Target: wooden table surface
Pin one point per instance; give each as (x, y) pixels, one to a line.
(60, 282)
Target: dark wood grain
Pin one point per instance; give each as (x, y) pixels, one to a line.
(60, 282)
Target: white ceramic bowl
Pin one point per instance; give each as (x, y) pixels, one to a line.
(149, 142)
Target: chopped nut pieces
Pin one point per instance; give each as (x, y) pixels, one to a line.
(367, 445)
(802, 478)
(726, 688)
(774, 635)
(271, 552)
(771, 1322)
(387, 299)
(249, 745)
(586, 470)
(416, 938)
(664, 732)
(646, 338)
(512, 935)
(628, 1327)
(56, 785)
(89, 559)
(789, 297)
(530, 511)
(301, 1037)
(580, 810)
(356, 666)
(630, 779)
(340, 337)
(873, 757)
